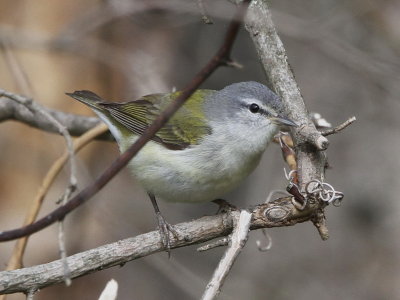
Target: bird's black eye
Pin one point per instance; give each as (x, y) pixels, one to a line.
(254, 108)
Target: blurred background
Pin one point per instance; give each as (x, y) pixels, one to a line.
(345, 55)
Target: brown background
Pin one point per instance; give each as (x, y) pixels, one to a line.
(345, 57)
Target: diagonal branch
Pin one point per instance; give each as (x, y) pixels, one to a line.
(220, 58)
(238, 240)
(33, 211)
(309, 142)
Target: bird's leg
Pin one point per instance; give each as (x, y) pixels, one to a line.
(224, 206)
(163, 227)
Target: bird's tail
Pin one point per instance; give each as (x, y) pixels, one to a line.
(87, 97)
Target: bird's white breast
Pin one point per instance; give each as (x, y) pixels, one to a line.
(201, 172)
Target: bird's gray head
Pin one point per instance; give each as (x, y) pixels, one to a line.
(250, 103)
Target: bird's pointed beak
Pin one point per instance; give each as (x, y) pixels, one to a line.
(280, 120)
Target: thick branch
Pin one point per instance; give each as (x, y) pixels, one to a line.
(277, 213)
(309, 142)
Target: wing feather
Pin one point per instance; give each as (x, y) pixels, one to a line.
(187, 127)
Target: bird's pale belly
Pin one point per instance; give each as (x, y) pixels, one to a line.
(181, 176)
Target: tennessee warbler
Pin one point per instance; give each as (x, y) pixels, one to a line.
(214, 140)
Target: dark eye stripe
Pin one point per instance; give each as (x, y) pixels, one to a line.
(265, 112)
(256, 108)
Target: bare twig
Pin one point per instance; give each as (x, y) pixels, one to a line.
(276, 213)
(19, 75)
(61, 236)
(63, 254)
(32, 106)
(238, 240)
(222, 55)
(340, 127)
(15, 261)
(214, 244)
(70, 149)
(319, 222)
(30, 294)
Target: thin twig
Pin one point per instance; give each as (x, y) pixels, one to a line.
(15, 261)
(70, 149)
(30, 294)
(18, 73)
(339, 127)
(238, 240)
(32, 106)
(63, 254)
(61, 239)
(214, 244)
(223, 54)
(319, 222)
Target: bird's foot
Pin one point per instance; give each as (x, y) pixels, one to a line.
(165, 229)
(224, 206)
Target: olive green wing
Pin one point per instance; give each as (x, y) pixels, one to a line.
(187, 127)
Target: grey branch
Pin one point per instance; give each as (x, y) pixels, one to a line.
(76, 125)
(280, 76)
(238, 240)
(281, 212)
(340, 127)
(41, 113)
(39, 110)
(277, 213)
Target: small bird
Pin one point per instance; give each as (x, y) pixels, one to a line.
(207, 148)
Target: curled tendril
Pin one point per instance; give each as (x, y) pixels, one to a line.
(324, 191)
(267, 239)
(289, 176)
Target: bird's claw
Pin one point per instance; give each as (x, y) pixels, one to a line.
(164, 228)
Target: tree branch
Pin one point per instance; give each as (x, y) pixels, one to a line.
(220, 58)
(281, 212)
(76, 125)
(309, 142)
(239, 237)
(277, 213)
(340, 127)
(15, 261)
